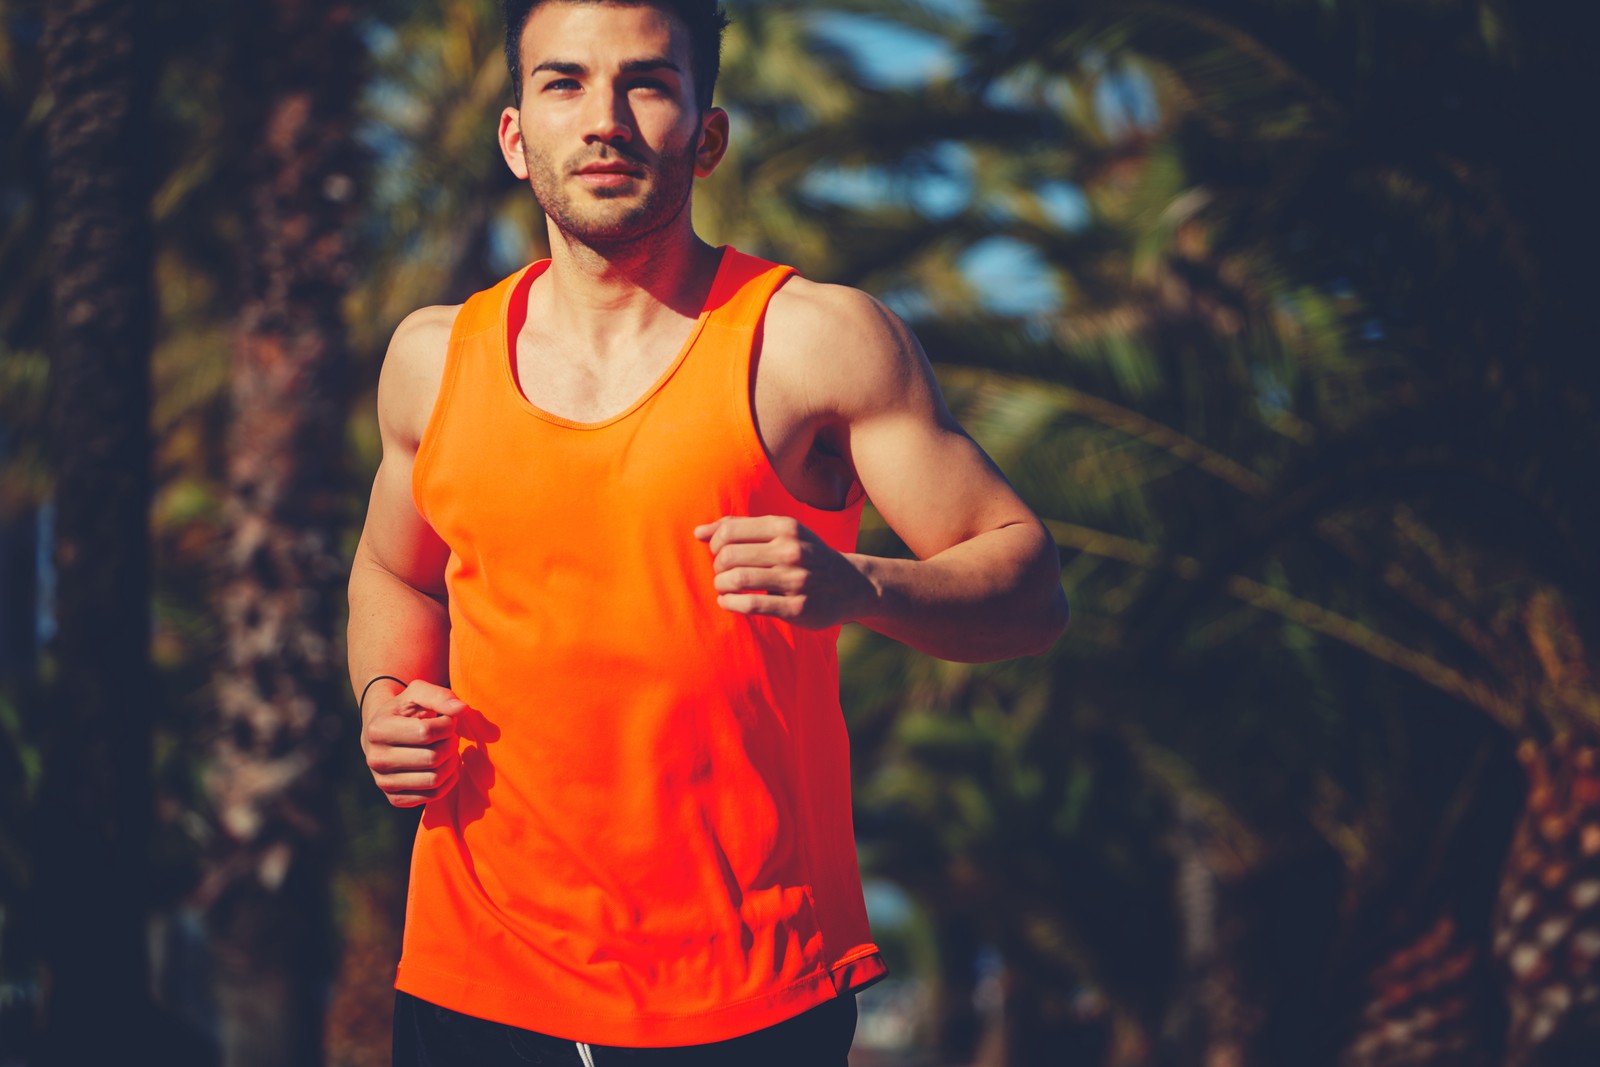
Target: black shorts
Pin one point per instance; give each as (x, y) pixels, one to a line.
(426, 1035)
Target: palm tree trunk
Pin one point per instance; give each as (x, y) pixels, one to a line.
(1428, 1004)
(280, 696)
(1547, 920)
(1546, 923)
(93, 820)
(1215, 1018)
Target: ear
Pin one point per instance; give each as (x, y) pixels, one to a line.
(713, 142)
(511, 142)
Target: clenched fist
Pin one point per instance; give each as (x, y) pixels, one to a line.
(409, 740)
(773, 565)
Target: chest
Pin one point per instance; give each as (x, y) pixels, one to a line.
(587, 387)
(592, 389)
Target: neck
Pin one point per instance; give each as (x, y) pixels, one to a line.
(609, 291)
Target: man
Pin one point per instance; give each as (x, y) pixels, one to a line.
(595, 603)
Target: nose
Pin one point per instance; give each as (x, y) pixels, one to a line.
(609, 119)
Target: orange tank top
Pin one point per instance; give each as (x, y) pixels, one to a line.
(650, 840)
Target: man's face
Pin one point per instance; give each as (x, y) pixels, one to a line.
(608, 121)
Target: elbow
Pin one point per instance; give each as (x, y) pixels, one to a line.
(1049, 620)
(1051, 624)
(1028, 633)
(1025, 632)
(1060, 615)
(1031, 631)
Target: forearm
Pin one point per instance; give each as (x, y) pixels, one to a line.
(395, 629)
(994, 596)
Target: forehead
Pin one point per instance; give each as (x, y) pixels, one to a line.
(598, 34)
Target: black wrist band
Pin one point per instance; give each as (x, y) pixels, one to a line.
(361, 704)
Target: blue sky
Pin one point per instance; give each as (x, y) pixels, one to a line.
(1009, 277)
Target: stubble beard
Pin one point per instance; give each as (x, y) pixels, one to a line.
(598, 219)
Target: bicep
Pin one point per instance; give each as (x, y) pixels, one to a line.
(860, 372)
(931, 482)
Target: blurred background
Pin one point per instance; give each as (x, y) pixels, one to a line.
(1275, 310)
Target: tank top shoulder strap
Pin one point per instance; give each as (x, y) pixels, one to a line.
(743, 287)
(480, 321)
(486, 310)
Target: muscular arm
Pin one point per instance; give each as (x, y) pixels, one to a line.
(986, 581)
(399, 624)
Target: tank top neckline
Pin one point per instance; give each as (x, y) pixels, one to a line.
(514, 313)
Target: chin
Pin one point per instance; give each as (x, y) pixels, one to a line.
(612, 230)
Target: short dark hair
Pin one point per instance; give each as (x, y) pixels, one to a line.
(705, 18)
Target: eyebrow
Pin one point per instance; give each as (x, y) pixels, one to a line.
(632, 66)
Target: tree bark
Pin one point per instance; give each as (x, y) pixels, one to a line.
(1547, 918)
(1428, 1004)
(94, 816)
(280, 697)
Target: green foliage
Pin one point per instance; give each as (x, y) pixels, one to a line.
(1311, 413)
(1280, 427)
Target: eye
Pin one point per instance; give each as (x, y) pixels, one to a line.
(560, 84)
(651, 84)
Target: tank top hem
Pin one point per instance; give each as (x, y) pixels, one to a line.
(512, 1007)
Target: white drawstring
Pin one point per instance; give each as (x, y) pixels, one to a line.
(585, 1055)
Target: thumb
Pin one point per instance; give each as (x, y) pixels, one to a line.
(435, 698)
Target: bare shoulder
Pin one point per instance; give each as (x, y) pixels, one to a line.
(412, 371)
(845, 343)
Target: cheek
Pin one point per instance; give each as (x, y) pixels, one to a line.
(666, 124)
(537, 161)
(684, 141)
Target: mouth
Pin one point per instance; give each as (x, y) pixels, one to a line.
(608, 182)
(608, 173)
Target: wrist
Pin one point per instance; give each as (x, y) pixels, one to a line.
(870, 601)
(378, 689)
